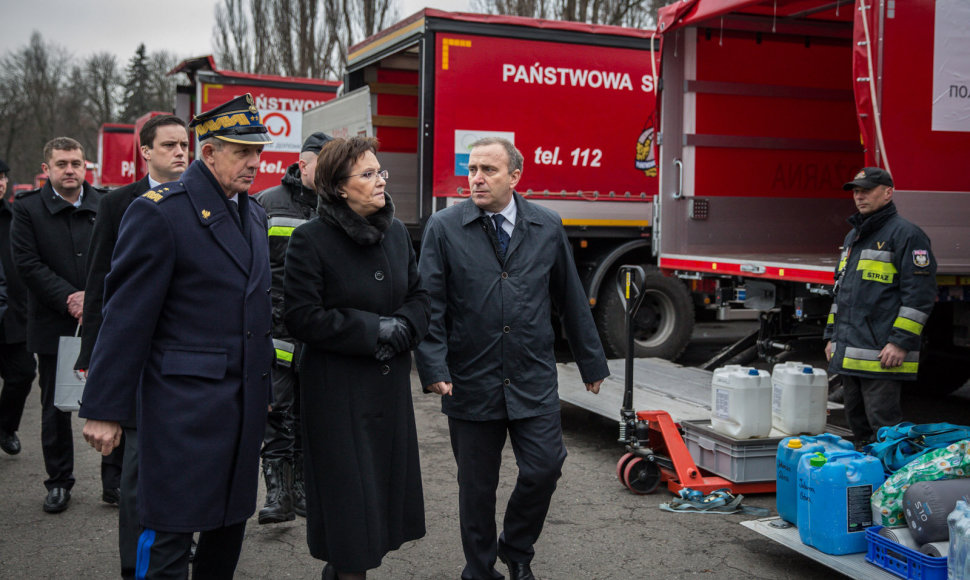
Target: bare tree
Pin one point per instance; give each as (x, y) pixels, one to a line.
(101, 87)
(74, 107)
(360, 19)
(45, 93)
(234, 48)
(307, 38)
(530, 8)
(31, 80)
(631, 13)
(311, 27)
(161, 96)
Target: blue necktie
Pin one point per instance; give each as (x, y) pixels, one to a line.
(503, 237)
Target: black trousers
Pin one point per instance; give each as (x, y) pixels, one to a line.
(870, 404)
(165, 555)
(55, 429)
(282, 438)
(128, 527)
(17, 369)
(539, 454)
(57, 440)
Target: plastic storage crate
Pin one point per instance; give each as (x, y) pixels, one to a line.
(737, 460)
(902, 561)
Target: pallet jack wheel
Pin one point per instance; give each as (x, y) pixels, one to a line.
(621, 465)
(641, 476)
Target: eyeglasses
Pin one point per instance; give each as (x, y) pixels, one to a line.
(368, 175)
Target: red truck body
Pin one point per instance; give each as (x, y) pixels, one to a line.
(768, 129)
(280, 100)
(768, 107)
(116, 155)
(578, 101)
(761, 111)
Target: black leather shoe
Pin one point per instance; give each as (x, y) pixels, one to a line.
(111, 496)
(10, 443)
(517, 570)
(329, 572)
(57, 499)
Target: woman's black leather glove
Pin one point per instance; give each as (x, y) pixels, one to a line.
(393, 337)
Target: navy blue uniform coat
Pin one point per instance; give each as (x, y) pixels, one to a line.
(187, 327)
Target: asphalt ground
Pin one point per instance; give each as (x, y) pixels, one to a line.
(596, 529)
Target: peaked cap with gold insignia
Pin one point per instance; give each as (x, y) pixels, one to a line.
(235, 121)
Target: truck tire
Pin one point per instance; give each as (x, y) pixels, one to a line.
(663, 324)
(942, 372)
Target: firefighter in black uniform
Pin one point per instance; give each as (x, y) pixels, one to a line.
(884, 291)
(287, 206)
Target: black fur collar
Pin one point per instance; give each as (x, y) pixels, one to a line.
(365, 231)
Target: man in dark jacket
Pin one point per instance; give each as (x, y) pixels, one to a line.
(287, 206)
(495, 267)
(884, 292)
(50, 236)
(17, 364)
(186, 341)
(165, 149)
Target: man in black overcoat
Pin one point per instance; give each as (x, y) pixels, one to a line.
(495, 266)
(186, 340)
(49, 237)
(164, 145)
(17, 364)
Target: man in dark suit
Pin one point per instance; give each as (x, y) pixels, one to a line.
(186, 340)
(165, 148)
(495, 266)
(50, 235)
(17, 365)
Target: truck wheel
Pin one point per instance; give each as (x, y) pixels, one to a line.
(942, 372)
(663, 324)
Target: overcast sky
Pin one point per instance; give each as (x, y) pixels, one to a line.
(85, 27)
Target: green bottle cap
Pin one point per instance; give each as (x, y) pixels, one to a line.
(818, 460)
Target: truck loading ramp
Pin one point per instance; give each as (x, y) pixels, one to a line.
(684, 392)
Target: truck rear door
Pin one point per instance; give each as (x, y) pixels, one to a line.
(758, 134)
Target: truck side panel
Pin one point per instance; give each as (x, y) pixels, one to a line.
(116, 155)
(581, 115)
(282, 111)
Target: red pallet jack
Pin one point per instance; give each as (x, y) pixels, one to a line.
(655, 445)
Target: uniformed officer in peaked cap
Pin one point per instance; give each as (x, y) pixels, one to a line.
(187, 334)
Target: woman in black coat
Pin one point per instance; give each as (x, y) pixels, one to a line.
(353, 296)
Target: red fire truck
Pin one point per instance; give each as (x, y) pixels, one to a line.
(762, 110)
(578, 101)
(280, 100)
(116, 155)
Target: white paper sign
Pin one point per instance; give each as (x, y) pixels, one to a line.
(951, 66)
